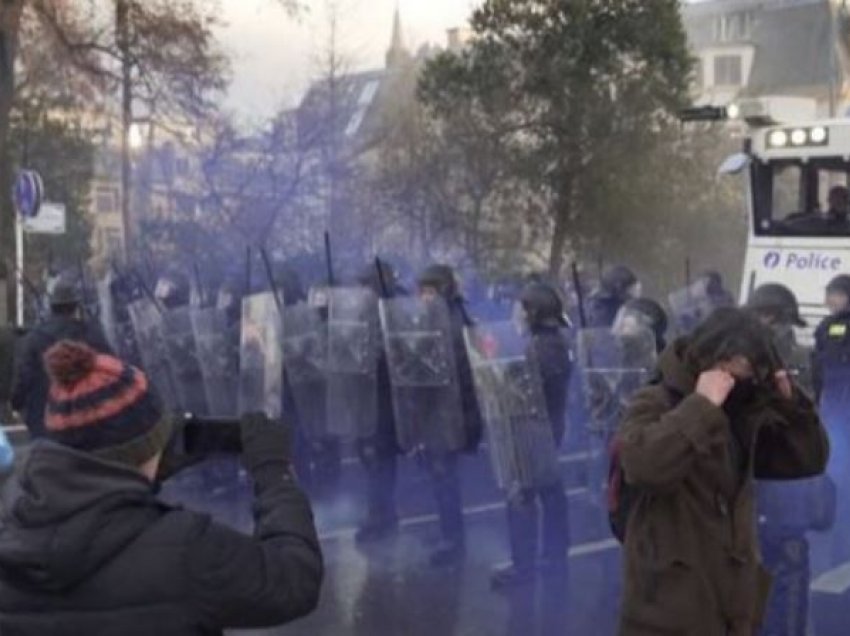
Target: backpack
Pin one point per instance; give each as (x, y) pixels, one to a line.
(622, 496)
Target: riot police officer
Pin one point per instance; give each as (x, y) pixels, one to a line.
(618, 285)
(542, 315)
(438, 281)
(832, 345)
(788, 510)
(378, 454)
(30, 385)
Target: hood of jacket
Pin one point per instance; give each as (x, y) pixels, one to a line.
(674, 371)
(65, 514)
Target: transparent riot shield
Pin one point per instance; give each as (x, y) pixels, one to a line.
(304, 355)
(612, 366)
(183, 359)
(261, 357)
(690, 306)
(423, 374)
(116, 323)
(217, 344)
(510, 393)
(147, 325)
(352, 363)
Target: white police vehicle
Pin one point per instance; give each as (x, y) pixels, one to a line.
(790, 171)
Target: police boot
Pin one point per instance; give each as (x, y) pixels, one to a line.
(522, 533)
(511, 576)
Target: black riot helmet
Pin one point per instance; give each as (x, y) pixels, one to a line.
(288, 283)
(543, 306)
(777, 304)
(618, 280)
(442, 279)
(839, 285)
(65, 294)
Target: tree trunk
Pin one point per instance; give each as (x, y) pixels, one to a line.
(563, 218)
(122, 33)
(10, 23)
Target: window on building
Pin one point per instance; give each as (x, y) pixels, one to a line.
(734, 27)
(105, 200)
(728, 70)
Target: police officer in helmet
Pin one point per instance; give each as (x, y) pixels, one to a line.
(541, 314)
(66, 322)
(435, 282)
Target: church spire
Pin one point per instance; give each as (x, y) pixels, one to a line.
(396, 54)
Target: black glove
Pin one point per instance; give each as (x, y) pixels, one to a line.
(265, 443)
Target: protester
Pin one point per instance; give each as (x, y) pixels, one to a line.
(87, 548)
(722, 414)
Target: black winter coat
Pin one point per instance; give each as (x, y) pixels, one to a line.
(30, 387)
(86, 549)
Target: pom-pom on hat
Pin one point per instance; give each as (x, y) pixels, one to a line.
(101, 405)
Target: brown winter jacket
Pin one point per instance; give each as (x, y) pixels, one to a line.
(691, 558)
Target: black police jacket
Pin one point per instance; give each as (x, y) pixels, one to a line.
(832, 347)
(86, 548)
(30, 385)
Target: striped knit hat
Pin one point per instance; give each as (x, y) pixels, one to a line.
(101, 405)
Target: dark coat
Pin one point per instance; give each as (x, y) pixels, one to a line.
(552, 353)
(473, 422)
(832, 349)
(86, 548)
(30, 386)
(691, 556)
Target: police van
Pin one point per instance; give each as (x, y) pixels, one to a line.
(790, 170)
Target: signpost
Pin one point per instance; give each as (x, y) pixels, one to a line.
(34, 216)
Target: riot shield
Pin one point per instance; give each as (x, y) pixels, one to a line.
(690, 306)
(352, 363)
(147, 325)
(217, 343)
(304, 355)
(261, 357)
(117, 323)
(613, 367)
(183, 360)
(423, 374)
(509, 388)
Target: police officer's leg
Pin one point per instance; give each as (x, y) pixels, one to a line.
(443, 469)
(523, 527)
(556, 529)
(787, 559)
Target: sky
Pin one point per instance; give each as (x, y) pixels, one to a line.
(275, 56)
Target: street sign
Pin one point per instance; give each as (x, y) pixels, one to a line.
(28, 193)
(51, 219)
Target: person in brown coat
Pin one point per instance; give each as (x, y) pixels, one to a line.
(722, 413)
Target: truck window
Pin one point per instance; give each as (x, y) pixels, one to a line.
(792, 197)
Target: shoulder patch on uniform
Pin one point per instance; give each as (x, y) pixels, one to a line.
(838, 330)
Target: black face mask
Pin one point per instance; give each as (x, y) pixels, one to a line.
(741, 395)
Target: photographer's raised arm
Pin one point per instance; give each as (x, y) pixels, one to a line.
(275, 576)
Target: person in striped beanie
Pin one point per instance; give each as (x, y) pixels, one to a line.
(101, 405)
(87, 548)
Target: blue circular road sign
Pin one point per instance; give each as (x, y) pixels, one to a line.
(28, 193)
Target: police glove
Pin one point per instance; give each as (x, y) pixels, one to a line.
(266, 444)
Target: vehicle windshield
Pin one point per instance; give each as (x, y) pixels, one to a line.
(796, 197)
